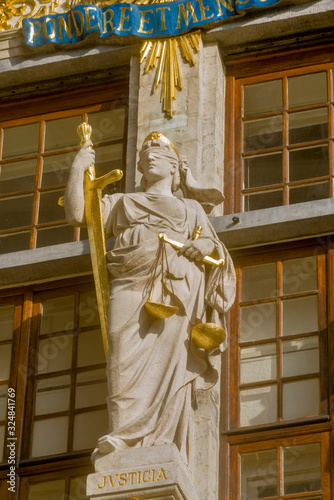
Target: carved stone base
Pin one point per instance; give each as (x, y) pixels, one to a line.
(152, 473)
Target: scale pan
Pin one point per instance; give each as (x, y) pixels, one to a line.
(208, 335)
(159, 310)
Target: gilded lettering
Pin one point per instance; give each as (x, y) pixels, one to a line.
(103, 483)
(152, 475)
(161, 475)
(143, 476)
(78, 31)
(122, 480)
(124, 18)
(90, 18)
(227, 4)
(106, 21)
(131, 474)
(65, 27)
(111, 481)
(163, 20)
(144, 20)
(54, 27)
(34, 33)
(203, 9)
(185, 14)
(138, 477)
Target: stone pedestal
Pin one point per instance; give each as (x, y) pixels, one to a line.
(152, 473)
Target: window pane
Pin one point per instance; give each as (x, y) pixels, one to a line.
(311, 192)
(2, 441)
(20, 141)
(258, 322)
(55, 354)
(259, 474)
(300, 315)
(258, 363)
(300, 275)
(78, 488)
(90, 348)
(49, 210)
(308, 163)
(107, 125)
(301, 398)
(49, 437)
(49, 490)
(89, 314)
(54, 236)
(56, 169)
(16, 211)
(307, 89)
(14, 242)
(258, 406)
(5, 359)
(3, 401)
(88, 428)
(300, 357)
(108, 158)
(6, 322)
(263, 170)
(263, 97)
(18, 176)
(259, 201)
(62, 133)
(91, 389)
(308, 126)
(52, 395)
(302, 468)
(263, 134)
(259, 282)
(58, 314)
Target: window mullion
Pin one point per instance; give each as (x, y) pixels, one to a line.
(285, 142)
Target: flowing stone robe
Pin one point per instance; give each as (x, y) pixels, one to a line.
(153, 366)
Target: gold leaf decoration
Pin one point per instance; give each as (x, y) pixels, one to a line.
(163, 55)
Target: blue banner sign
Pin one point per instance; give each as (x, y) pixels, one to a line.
(148, 21)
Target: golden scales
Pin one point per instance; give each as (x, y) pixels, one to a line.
(204, 335)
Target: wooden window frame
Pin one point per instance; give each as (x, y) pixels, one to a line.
(258, 68)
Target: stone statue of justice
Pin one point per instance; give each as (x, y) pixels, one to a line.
(162, 292)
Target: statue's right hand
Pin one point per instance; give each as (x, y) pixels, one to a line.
(84, 158)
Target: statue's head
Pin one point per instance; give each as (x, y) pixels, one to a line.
(157, 144)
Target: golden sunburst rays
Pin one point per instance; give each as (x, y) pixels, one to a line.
(163, 55)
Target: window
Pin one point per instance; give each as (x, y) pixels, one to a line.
(51, 353)
(284, 132)
(36, 153)
(279, 382)
(287, 468)
(281, 315)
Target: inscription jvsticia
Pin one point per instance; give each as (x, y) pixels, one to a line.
(131, 478)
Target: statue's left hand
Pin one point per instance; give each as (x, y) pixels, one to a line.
(197, 249)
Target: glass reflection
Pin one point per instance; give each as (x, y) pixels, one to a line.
(258, 406)
(88, 427)
(6, 322)
(300, 315)
(263, 134)
(300, 275)
(258, 322)
(307, 89)
(49, 437)
(263, 170)
(300, 356)
(302, 468)
(301, 398)
(258, 363)
(259, 282)
(259, 201)
(62, 133)
(263, 97)
(20, 141)
(308, 126)
(258, 474)
(18, 176)
(107, 125)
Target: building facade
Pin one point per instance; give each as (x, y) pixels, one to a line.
(253, 113)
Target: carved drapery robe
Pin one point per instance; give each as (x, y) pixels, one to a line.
(153, 366)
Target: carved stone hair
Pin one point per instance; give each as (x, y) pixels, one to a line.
(168, 153)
